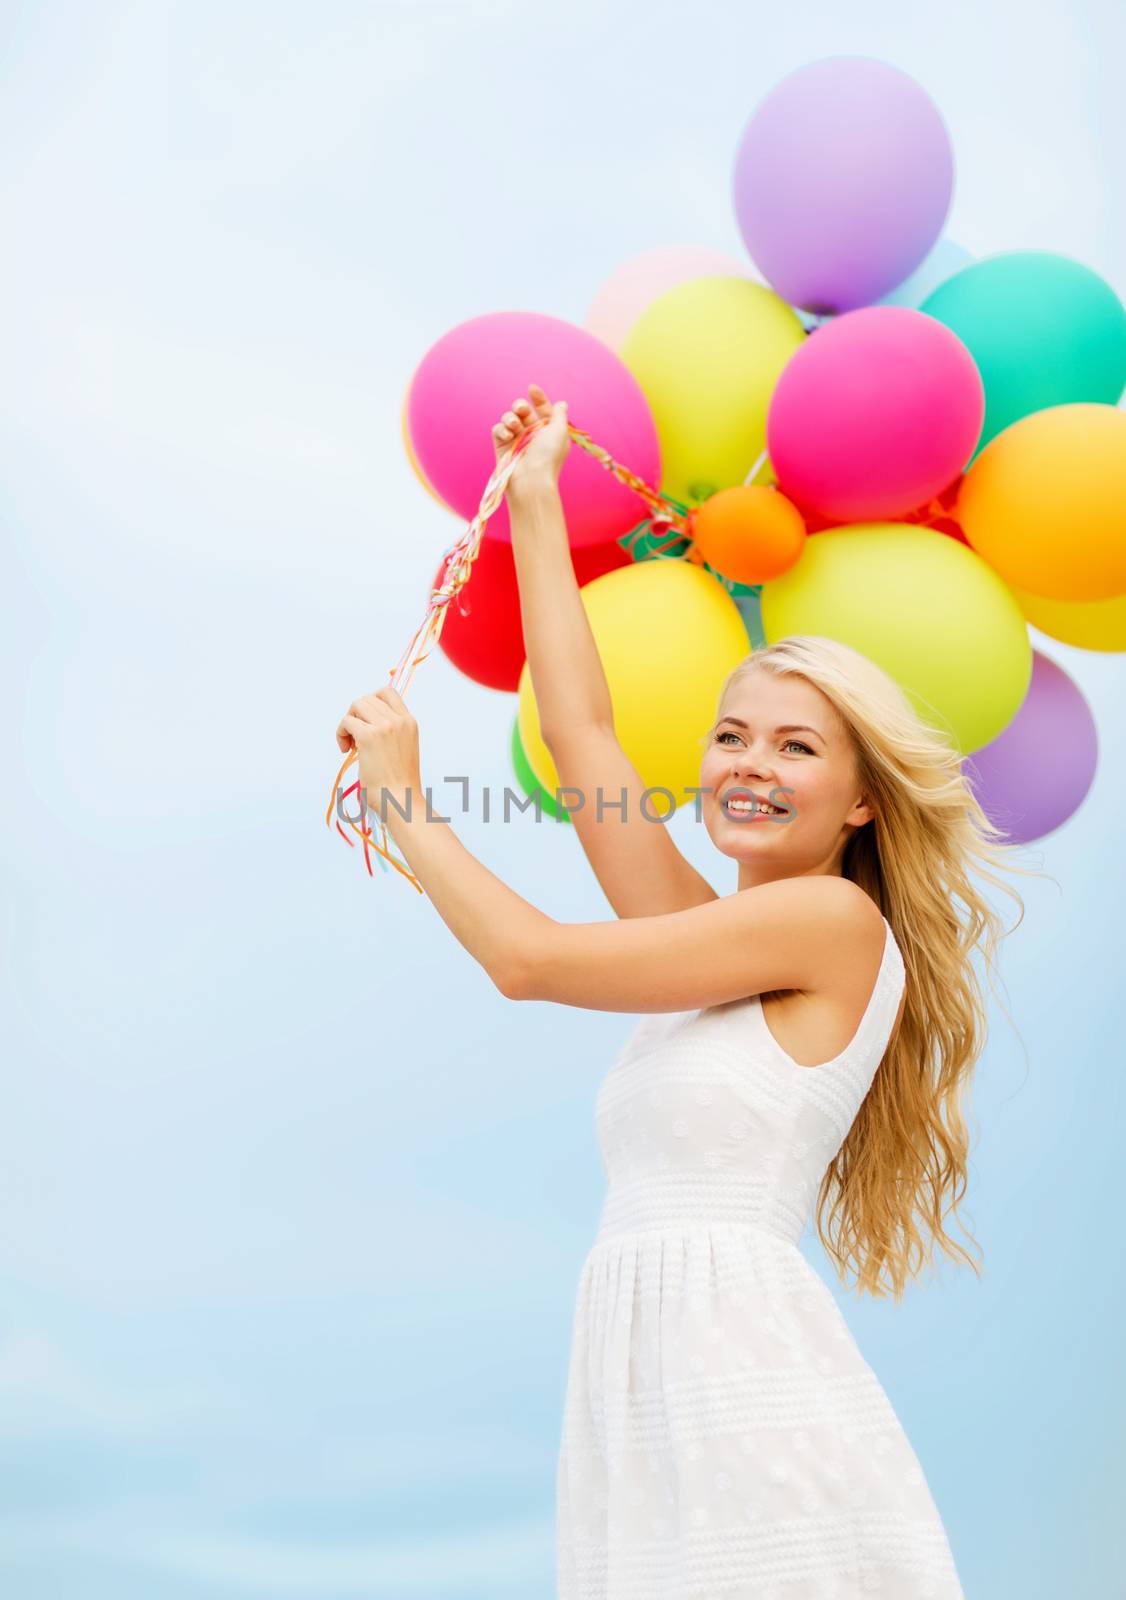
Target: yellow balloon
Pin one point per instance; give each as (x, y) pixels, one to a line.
(413, 459)
(923, 606)
(1090, 624)
(668, 634)
(707, 354)
(1045, 502)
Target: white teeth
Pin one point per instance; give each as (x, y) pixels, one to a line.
(750, 805)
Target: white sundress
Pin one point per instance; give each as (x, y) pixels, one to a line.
(723, 1437)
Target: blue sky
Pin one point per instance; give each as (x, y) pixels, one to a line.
(293, 1202)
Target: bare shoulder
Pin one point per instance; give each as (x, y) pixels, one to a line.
(853, 956)
(814, 1022)
(839, 926)
(827, 931)
(845, 910)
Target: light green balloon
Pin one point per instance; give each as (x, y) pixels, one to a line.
(708, 354)
(1044, 331)
(923, 606)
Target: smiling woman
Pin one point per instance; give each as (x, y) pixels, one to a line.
(803, 1049)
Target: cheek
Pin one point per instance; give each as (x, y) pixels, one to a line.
(810, 797)
(712, 768)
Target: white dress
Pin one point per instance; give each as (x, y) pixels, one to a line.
(723, 1438)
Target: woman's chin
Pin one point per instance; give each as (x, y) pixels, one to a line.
(739, 839)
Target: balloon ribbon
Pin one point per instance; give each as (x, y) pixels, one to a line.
(668, 519)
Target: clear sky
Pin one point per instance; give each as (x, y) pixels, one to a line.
(293, 1203)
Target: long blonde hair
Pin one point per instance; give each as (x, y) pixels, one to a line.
(906, 1152)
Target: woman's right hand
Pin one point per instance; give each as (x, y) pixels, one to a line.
(542, 458)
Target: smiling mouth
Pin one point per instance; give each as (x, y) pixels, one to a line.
(745, 809)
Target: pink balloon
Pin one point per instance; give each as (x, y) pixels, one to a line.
(636, 283)
(466, 382)
(874, 414)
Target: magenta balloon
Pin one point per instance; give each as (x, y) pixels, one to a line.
(874, 414)
(842, 182)
(466, 382)
(1036, 773)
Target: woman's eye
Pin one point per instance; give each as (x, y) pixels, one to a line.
(727, 734)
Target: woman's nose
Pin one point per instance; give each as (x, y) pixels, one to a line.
(751, 764)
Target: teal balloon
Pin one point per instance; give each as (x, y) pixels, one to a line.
(1043, 329)
(738, 591)
(750, 609)
(944, 261)
(528, 781)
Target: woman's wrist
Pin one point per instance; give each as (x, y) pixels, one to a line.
(529, 488)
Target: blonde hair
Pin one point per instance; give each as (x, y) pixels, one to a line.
(906, 1152)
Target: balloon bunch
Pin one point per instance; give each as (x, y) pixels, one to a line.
(862, 433)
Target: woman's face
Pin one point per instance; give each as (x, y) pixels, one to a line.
(781, 739)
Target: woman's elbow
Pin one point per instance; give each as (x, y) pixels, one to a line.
(521, 972)
(514, 980)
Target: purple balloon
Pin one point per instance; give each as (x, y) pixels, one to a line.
(842, 182)
(1036, 773)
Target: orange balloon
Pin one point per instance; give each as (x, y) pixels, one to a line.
(749, 533)
(1090, 624)
(413, 459)
(1043, 503)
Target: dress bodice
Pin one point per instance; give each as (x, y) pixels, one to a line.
(703, 1118)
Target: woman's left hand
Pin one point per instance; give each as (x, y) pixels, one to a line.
(385, 736)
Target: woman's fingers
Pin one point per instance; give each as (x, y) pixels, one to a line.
(389, 693)
(369, 711)
(522, 414)
(539, 400)
(350, 731)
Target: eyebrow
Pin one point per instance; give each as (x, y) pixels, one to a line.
(785, 727)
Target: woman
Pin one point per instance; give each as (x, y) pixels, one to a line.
(806, 1041)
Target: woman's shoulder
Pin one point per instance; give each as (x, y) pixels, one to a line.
(860, 942)
(853, 910)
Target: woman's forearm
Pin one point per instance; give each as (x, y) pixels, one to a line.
(566, 670)
(496, 925)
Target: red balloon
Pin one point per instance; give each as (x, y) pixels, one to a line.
(815, 522)
(482, 634)
(592, 561)
(936, 514)
(949, 526)
(939, 513)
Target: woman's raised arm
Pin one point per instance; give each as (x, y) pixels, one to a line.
(634, 857)
(566, 670)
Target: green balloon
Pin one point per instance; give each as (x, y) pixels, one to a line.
(528, 781)
(640, 542)
(1043, 329)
